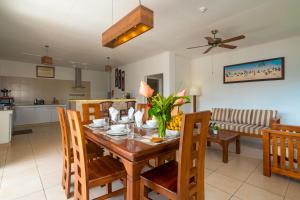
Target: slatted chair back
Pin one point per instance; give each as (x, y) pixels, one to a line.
(104, 108)
(90, 111)
(282, 150)
(140, 107)
(64, 133)
(192, 156)
(81, 191)
(66, 148)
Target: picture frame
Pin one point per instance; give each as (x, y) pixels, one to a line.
(116, 77)
(45, 71)
(123, 81)
(120, 79)
(261, 70)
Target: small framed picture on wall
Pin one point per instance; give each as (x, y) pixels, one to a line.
(123, 81)
(120, 79)
(116, 78)
(45, 72)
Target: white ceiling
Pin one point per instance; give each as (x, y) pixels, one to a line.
(73, 28)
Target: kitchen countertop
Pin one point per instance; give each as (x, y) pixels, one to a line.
(44, 105)
(101, 100)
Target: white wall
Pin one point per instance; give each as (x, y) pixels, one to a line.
(137, 71)
(282, 95)
(99, 80)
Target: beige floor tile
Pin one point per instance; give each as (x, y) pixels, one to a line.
(224, 183)
(275, 184)
(234, 198)
(293, 191)
(234, 172)
(52, 179)
(55, 193)
(34, 196)
(212, 164)
(247, 192)
(11, 189)
(207, 172)
(212, 193)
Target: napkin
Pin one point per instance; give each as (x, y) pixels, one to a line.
(138, 116)
(114, 113)
(130, 113)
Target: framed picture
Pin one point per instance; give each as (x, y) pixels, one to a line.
(123, 81)
(116, 78)
(262, 70)
(119, 79)
(45, 72)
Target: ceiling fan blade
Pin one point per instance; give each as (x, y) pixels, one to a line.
(197, 47)
(30, 54)
(207, 50)
(209, 39)
(227, 46)
(234, 39)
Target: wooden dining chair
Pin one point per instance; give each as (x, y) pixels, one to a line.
(104, 108)
(185, 179)
(93, 150)
(102, 171)
(140, 107)
(90, 111)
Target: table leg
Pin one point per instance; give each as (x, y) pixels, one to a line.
(208, 143)
(225, 152)
(237, 146)
(133, 170)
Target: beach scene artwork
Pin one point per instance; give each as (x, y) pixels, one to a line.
(271, 69)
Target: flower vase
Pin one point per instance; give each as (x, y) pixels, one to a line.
(162, 128)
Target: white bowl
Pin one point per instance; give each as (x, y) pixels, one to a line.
(151, 123)
(117, 127)
(98, 121)
(125, 119)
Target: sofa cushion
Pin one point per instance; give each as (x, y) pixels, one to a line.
(263, 117)
(222, 125)
(248, 128)
(240, 116)
(220, 114)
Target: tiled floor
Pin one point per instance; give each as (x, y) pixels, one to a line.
(30, 169)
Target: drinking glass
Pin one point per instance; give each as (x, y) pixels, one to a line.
(130, 130)
(106, 123)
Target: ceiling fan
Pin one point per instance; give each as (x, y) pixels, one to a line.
(218, 42)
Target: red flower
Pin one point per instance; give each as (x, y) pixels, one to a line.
(149, 105)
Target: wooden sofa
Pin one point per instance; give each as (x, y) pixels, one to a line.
(281, 150)
(248, 122)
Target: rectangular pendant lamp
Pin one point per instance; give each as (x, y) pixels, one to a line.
(135, 23)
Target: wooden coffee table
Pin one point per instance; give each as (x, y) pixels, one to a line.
(224, 138)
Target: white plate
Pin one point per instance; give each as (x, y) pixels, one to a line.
(125, 122)
(149, 127)
(96, 125)
(116, 133)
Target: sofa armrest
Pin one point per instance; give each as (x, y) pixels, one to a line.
(274, 121)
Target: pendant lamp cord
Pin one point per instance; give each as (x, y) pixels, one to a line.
(112, 11)
(140, 2)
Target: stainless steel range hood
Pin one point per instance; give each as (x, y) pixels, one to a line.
(78, 78)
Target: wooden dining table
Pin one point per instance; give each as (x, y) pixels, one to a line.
(134, 154)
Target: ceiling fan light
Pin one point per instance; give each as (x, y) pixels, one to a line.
(137, 22)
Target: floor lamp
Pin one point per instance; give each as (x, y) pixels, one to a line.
(195, 91)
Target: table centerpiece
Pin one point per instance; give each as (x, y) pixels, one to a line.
(161, 107)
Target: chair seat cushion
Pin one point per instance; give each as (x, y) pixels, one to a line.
(105, 169)
(165, 175)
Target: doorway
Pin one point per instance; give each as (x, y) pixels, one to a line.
(155, 81)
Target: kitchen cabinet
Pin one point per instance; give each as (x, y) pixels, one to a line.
(6, 121)
(35, 114)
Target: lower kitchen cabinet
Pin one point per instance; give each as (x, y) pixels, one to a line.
(35, 114)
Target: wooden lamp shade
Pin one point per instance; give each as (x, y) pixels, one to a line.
(137, 22)
(46, 60)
